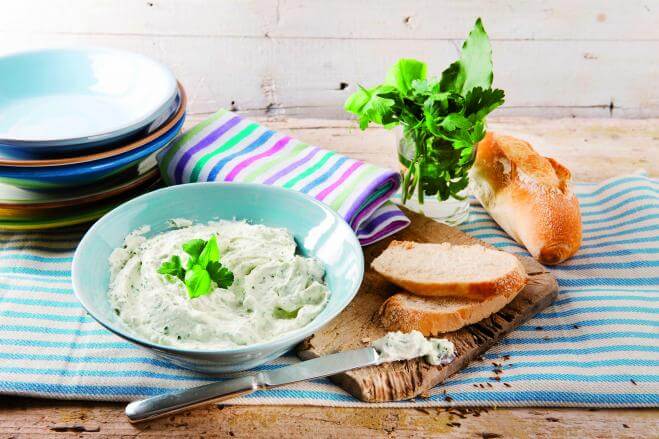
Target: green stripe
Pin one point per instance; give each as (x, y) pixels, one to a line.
(249, 129)
(30, 184)
(381, 191)
(348, 190)
(186, 137)
(290, 183)
(267, 166)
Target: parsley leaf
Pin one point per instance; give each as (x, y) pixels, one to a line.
(220, 274)
(194, 248)
(454, 121)
(479, 103)
(443, 118)
(202, 269)
(197, 281)
(210, 253)
(373, 104)
(404, 73)
(172, 267)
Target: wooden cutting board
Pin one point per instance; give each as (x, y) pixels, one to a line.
(358, 324)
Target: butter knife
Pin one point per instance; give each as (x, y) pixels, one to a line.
(179, 401)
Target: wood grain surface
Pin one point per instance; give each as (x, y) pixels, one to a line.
(23, 418)
(302, 58)
(358, 325)
(593, 149)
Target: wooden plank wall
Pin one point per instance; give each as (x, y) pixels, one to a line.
(300, 58)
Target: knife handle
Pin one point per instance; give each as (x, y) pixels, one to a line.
(182, 400)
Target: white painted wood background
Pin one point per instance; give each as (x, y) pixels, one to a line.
(596, 58)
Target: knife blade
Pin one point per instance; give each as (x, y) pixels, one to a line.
(181, 400)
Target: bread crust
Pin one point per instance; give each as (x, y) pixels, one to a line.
(529, 196)
(396, 314)
(513, 281)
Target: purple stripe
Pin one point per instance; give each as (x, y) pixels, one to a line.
(327, 174)
(356, 213)
(328, 190)
(245, 163)
(209, 139)
(365, 213)
(292, 166)
(378, 220)
(393, 227)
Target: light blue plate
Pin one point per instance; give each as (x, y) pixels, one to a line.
(57, 177)
(36, 151)
(318, 232)
(65, 97)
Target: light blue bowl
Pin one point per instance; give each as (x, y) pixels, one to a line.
(318, 231)
(61, 100)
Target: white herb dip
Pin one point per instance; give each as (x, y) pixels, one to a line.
(274, 290)
(396, 346)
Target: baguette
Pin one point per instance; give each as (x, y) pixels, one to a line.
(529, 196)
(433, 316)
(469, 271)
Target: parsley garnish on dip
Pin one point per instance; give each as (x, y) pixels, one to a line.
(203, 268)
(216, 285)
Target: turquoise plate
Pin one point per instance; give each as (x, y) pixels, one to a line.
(53, 178)
(28, 151)
(67, 98)
(319, 232)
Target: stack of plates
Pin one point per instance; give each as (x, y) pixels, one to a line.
(79, 131)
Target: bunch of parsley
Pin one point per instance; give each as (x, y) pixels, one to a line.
(203, 266)
(444, 117)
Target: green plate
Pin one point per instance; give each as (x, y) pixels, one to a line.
(15, 197)
(54, 218)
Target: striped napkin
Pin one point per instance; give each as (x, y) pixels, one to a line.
(226, 147)
(596, 346)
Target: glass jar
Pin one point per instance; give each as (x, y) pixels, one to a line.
(452, 211)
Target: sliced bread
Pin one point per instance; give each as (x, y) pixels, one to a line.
(432, 316)
(465, 271)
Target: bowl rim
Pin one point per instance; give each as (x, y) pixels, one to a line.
(288, 338)
(85, 52)
(164, 128)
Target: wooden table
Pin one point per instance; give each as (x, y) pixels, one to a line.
(594, 149)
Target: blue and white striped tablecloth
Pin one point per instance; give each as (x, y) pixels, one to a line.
(598, 345)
